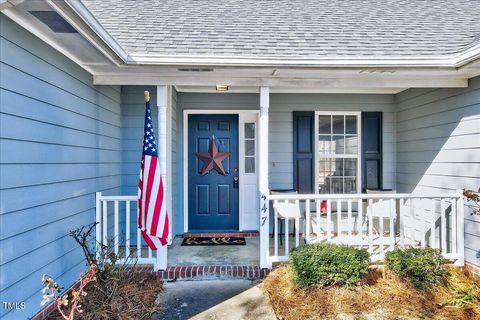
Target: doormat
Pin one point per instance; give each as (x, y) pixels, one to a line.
(214, 241)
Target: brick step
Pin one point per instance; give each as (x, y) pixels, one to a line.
(206, 272)
(221, 234)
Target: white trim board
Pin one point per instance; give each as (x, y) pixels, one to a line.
(243, 116)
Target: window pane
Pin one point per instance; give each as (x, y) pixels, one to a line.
(351, 124)
(351, 144)
(336, 185)
(350, 185)
(249, 147)
(338, 144)
(350, 167)
(249, 130)
(250, 165)
(337, 124)
(324, 144)
(324, 125)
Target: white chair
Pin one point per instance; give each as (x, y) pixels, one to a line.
(380, 210)
(286, 211)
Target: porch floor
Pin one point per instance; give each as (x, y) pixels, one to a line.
(247, 255)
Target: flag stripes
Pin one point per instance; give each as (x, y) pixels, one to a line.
(152, 212)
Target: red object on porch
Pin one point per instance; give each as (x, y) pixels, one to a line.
(323, 207)
(152, 211)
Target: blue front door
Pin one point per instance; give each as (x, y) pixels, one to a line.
(212, 172)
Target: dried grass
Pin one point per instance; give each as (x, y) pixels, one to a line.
(382, 297)
(134, 298)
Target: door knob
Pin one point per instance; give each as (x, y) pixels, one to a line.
(235, 182)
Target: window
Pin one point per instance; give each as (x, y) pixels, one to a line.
(338, 152)
(250, 147)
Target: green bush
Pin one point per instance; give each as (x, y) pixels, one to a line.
(423, 267)
(327, 264)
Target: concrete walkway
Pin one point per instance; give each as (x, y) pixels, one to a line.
(214, 299)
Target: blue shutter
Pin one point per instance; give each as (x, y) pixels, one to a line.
(303, 151)
(372, 150)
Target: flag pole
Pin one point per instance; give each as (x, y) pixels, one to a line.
(146, 95)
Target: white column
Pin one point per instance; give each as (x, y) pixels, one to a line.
(162, 104)
(263, 178)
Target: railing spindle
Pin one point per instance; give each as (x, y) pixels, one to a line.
(412, 222)
(127, 230)
(339, 218)
(454, 225)
(360, 221)
(401, 218)
(139, 244)
(393, 213)
(370, 225)
(105, 223)
(317, 227)
(443, 226)
(98, 220)
(380, 215)
(286, 236)
(116, 238)
(307, 219)
(433, 242)
(329, 219)
(424, 227)
(349, 221)
(297, 227)
(276, 233)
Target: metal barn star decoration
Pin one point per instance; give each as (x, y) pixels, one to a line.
(212, 159)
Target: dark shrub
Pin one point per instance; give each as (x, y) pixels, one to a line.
(423, 267)
(327, 264)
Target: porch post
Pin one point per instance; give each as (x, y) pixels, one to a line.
(263, 178)
(162, 104)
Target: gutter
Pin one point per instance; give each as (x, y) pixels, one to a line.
(453, 61)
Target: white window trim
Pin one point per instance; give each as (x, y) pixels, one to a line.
(359, 151)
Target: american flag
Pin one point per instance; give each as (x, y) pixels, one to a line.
(152, 211)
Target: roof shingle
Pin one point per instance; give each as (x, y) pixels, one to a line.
(291, 28)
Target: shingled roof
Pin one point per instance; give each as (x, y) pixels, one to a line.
(291, 28)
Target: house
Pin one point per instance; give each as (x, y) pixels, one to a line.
(328, 98)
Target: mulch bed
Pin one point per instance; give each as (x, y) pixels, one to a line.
(134, 298)
(384, 296)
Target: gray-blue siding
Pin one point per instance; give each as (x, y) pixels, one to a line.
(438, 146)
(60, 143)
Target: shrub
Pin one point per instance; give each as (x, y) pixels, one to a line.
(422, 267)
(327, 264)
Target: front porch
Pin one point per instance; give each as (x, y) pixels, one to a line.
(377, 222)
(330, 150)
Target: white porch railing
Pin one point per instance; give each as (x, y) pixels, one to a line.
(377, 222)
(116, 218)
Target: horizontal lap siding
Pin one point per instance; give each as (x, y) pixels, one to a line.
(438, 146)
(60, 143)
